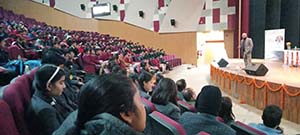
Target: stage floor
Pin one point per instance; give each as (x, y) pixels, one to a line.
(278, 72)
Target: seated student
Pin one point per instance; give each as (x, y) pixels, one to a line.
(44, 115)
(181, 85)
(146, 83)
(3, 52)
(120, 61)
(89, 62)
(145, 67)
(225, 111)
(128, 58)
(189, 95)
(69, 98)
(108, 106)
(164, 98)
(207, 105)
(271, 120)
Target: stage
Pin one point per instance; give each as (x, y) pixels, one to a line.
(280, 86)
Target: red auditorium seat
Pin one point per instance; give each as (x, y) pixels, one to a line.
(149, 106)
(243, 129)
(7, 124)
(163, 125)
(220, 119)
(14, 51)
(203, 133)
(18, 95)
(184, 106)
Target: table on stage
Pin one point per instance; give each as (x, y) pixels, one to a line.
(292, 57)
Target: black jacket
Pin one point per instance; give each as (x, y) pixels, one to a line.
(105, 124)
(44, 115)
(193, 123)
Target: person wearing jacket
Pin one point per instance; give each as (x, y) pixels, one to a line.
(108, 106)
(44, 114)
(164, 98)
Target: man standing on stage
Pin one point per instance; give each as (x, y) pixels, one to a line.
(246, 47)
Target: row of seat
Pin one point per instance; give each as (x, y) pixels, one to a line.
(164, 125)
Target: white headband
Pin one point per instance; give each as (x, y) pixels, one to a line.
(53, 75)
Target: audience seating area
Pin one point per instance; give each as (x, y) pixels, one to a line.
(25, 39)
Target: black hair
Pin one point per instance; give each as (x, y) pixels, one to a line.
(159, 77)
(105, 94)
(144, 77)
(181, 84)
(53, 56)
(43, 74)
(143, 65)
(116, 69)
(188, 94)
(134, 77)
(226, 110)
(166, 92)
(272, 116)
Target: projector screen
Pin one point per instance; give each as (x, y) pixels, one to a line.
(102, 9)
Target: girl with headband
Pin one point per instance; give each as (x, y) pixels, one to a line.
(44, 115)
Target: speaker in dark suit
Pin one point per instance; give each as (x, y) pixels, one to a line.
(256, 69)
(222, 63)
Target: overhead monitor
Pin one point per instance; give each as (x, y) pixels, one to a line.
(102, 9)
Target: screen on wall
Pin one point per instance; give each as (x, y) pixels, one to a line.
(102, 9)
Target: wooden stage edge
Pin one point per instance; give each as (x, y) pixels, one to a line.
(280, 86)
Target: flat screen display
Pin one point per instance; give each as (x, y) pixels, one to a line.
(102, 9)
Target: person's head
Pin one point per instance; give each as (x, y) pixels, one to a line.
(226, 110)
(116, 69)
(181, 84)
(50, 79)
(158, 77)
(87, 51)
(272, 116)
(53, 56)
(209, 100)
(134, 77)
(188, 94)
(107, 94)
(2, 43)
(146, 81)
(166, 92)
(145, 65)
(120, 56)
(244, 35)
